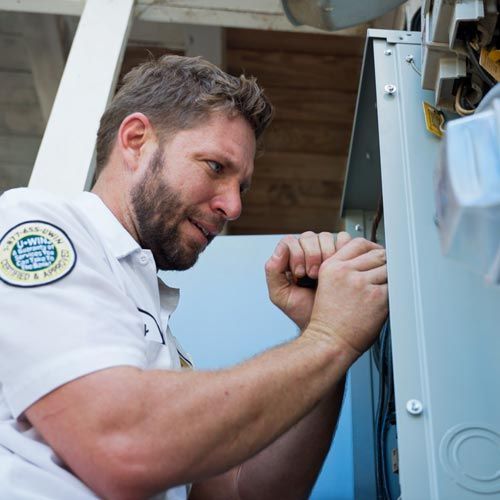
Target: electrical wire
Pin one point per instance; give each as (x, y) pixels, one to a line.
(379, 464)
(385, 411)
(458, 102)
(385, 414)
(480, 70)
(376, 220)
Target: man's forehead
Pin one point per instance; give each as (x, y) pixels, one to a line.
(231, 138)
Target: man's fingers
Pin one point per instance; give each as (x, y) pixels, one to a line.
(354, 248)
(277, 266)
(376, 276)
(342, 239)
(327, 244)
(312, 253)
(369, 260)
(296, 258)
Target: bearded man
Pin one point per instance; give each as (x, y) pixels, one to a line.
(94, 400)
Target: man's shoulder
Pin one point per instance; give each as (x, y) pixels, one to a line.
(26, 200)
(43, 237)
(22, 208)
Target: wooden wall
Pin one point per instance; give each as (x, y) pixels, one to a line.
(312, 80)
(21, 122)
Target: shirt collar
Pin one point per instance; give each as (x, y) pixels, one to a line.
(107, 225)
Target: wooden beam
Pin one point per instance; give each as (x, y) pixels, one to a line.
(65, 160)
(297, 70)
(17, 87)
(283, 219)
(318, 105)
(21, 118)
(308, 137)
(294, 194)
(300, 167)
(46, 56)
(257, 14)
(14, 56)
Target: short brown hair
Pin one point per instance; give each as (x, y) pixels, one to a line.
(175, 92)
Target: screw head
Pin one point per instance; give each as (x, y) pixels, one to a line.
(387, 52)
(414, 407)
(390, 89)
(409, 58)
(358, 228)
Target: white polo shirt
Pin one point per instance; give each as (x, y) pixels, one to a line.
(77, 295)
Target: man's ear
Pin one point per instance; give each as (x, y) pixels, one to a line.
(134, 135)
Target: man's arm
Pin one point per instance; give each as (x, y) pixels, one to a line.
(129, 433)
(288, 468)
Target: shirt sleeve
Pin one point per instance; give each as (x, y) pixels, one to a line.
(56, 331)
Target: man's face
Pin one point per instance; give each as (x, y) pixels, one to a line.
(191, 187)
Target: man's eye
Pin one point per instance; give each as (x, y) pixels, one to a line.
(215, 166)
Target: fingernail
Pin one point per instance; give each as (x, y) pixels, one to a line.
(313, 271)
(300, 271)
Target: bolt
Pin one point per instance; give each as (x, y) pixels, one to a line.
(358, 228)
(414, 407)
(390, 89)
(409, 58)
(387, 52)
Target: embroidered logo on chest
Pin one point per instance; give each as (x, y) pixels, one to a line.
(35, 253)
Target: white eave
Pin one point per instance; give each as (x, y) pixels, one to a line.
(252, 14)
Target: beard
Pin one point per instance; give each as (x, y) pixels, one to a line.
(158, 212)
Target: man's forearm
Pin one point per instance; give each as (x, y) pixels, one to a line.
(184, 427)
(289, 467)
(286, 469)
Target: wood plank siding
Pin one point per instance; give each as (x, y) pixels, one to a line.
(312, 80)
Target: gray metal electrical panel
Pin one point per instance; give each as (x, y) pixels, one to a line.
(445, 319)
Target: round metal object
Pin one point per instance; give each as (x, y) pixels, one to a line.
(409, 58)
(358, 228)
(390, 89)
(414, 407)
(387, 52)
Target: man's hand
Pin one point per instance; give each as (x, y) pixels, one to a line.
(295, 258)
(351, 300)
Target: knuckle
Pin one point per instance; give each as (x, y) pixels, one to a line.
(359, 241)
(289, 238)
(308, 234)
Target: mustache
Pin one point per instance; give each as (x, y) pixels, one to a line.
(212, 220)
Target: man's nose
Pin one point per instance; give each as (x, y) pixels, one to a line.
(228, 203)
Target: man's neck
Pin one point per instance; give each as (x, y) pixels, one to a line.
(114, 196)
